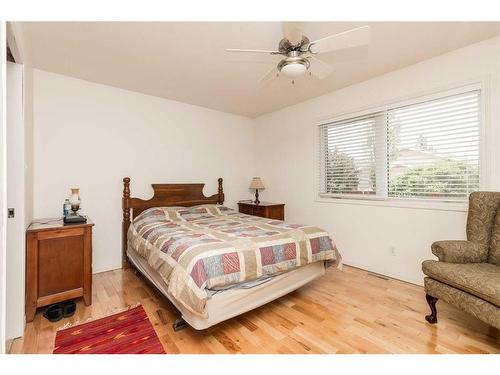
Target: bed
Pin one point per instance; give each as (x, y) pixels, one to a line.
(214, 263)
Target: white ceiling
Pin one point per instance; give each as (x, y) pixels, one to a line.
(186, 61)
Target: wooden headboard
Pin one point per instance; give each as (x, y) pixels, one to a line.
(165, 195)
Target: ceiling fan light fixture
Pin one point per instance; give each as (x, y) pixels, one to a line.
(295, 69)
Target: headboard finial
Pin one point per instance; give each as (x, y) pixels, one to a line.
(220, 192)
(126, 187)
(126, 219)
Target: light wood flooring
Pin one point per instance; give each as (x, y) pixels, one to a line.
(347, 311)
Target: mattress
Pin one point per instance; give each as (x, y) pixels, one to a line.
(235, 301)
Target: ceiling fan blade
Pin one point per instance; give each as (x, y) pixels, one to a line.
(319, 68)
(252, 58)
(292, 31)
(253, 51)
(347, 39)
(273, 73)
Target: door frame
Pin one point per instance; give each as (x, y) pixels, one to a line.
(3, 186)
(15, 178)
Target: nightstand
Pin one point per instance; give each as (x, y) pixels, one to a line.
(58, 263)
(263, 209)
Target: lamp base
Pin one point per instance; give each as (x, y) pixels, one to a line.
(257, 196)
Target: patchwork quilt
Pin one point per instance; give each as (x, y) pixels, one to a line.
(209, 246)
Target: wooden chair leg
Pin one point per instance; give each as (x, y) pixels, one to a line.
(432, 318)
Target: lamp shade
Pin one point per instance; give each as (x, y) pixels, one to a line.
(256, 183)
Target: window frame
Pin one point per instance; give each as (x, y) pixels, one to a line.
(424, 203)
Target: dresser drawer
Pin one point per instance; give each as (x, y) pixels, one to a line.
(274, 211)
(246, 210)
(259, 211)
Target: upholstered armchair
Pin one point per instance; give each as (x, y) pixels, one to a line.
(467, 274)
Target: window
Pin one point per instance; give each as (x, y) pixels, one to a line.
(427, 150)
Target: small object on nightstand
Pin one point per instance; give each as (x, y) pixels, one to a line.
(268, 210)
(75, 200)
(74, 219)
(66, 207)
(256, 184)
(58, 264)
(73, 203)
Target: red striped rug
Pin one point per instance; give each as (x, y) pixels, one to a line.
(128, 332)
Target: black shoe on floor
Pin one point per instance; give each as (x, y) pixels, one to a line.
(69, 308)
(53, 313)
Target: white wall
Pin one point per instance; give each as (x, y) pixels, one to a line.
(285, 159)
(90, 136)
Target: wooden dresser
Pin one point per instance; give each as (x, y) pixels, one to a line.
(58, 263)
(263, 209)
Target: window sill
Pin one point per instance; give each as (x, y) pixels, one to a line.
(422, 204)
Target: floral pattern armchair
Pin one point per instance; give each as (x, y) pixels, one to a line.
(467, 274)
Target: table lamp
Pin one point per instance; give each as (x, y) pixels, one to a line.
(256, 184)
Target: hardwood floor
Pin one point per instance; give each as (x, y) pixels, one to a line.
(347, 311)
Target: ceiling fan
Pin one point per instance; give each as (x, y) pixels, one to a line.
(300, 52)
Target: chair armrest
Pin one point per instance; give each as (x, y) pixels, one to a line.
(458, 252)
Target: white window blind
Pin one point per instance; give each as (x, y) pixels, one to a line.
(434, 148)
(348, 156)
(429, 150)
